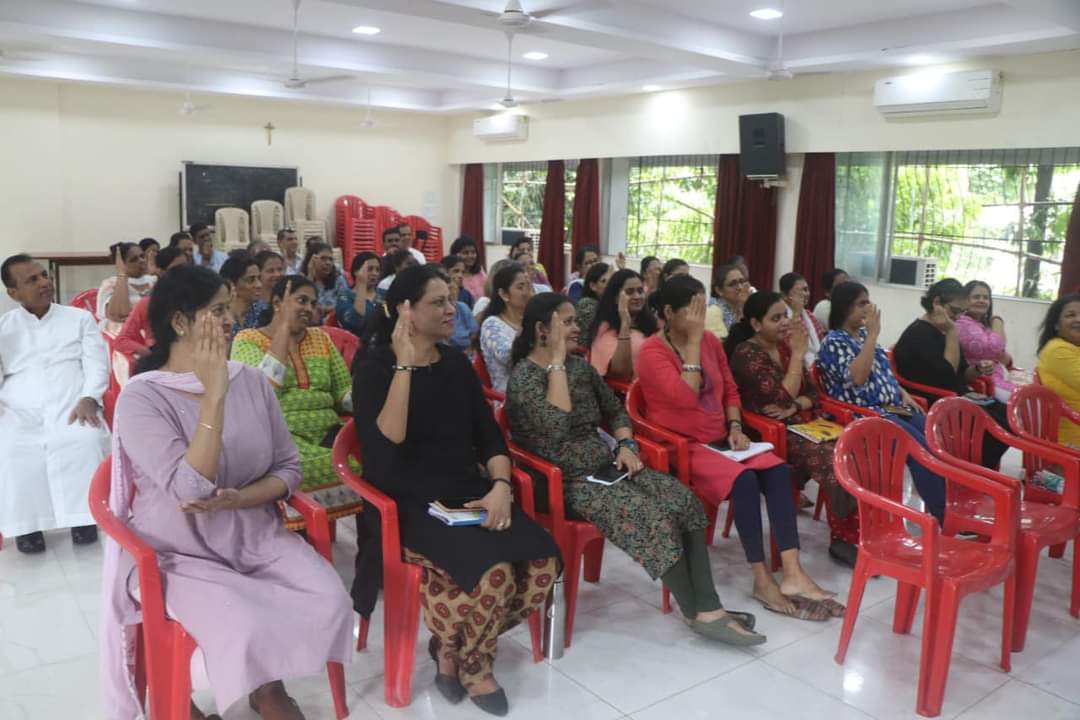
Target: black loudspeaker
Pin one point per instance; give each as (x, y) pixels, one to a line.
(761, 145)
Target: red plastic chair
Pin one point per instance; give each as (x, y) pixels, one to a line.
(954, 431)
(870, 458)
(401, 580)
(86, 300)
(164, 648)
(481, 369)
(330, 320)
(346, 343)
(581, 543)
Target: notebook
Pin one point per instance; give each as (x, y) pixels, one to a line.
(817, 431)
(755, 449)
(456, 517)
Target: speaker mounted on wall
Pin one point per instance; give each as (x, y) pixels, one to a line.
(761, 146)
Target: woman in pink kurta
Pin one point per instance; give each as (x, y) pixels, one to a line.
(982, 339)
(688, 388)
(201, 453)
(623, 321)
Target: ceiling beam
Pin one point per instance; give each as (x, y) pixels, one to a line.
(1065, 13)
(976, 29)
(625, 27)
(206, 40)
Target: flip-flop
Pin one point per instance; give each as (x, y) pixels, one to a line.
(805, 609)
(747, 620)
(835, 609)
(722, 630)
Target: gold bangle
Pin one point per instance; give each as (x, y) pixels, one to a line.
(211, 428)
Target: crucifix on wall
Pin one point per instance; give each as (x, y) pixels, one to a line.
(269, 128)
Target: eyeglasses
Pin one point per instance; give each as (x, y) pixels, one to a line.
(738, 283)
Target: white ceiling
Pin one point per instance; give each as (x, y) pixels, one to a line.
(450, 55)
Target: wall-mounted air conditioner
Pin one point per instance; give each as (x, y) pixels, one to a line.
(918, 271)
(503, 127)
(929, 93)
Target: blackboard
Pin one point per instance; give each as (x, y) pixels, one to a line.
(206, 188)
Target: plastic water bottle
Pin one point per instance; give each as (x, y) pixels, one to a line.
(1048, 481)
(554, 630)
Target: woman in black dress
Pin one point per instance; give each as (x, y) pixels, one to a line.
(928, 352)
(424, 427)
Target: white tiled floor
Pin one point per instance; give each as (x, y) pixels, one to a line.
(628, 660)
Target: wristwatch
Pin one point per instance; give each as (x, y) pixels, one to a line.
(629, 443)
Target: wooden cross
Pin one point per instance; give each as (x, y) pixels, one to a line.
(269, 128)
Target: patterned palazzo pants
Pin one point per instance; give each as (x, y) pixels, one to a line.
(468, 624)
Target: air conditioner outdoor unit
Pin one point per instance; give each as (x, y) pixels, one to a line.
(975, 91)
(503, 127)
(918, 271)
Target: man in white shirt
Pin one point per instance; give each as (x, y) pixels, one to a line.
(53, 372)
(207, 256)
(289, 244)
(406, 234)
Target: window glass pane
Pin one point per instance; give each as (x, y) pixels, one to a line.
(859, 179)
(1003, 223)
(670, 208)
(523, 197)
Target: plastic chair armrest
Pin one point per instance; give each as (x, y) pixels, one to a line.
(524, 491)
(772, 431)
(926, 522)
(388, 515)
(622, 387)
(316, 524)
(151, 595)
(554, 476)
(653, 455)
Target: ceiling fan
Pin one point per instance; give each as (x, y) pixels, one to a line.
(368, 123)
(295, 81)
(777, 69)
(515, 17)
(188, 107)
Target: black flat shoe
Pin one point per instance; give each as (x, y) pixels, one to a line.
(84, 535)
(31, 543)
(493, 703)
(449, 686)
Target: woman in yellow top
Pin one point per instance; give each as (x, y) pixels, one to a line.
(1059, 359)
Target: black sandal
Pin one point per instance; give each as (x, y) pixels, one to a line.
(449, 686)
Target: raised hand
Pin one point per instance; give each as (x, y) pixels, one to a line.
(624, 312)
(401, 339)
(556, 339)
(695, 319)
(121, 266)
(620, 260)
(798, 338)
(873, 321)
(939, 318)
(211, 358)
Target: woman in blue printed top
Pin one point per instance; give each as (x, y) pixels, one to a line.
(854, 369)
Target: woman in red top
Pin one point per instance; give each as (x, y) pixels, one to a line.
(689, 389)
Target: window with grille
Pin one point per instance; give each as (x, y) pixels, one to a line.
(997, 215)
(522, 197)
(670, 207)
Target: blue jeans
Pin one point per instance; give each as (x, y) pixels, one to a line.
(931, 486)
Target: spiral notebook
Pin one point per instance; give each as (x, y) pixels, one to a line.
(456, 517)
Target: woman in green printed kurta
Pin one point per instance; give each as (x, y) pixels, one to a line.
(311, 383)
(555, 404)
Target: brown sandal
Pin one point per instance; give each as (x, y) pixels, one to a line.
(803, 609)
(835, 609)
(273, 703)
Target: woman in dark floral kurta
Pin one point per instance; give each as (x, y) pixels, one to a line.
(650, 515)
(760, 366)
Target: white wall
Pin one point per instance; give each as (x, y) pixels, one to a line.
(86, 165)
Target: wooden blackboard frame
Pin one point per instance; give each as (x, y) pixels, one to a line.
(239, 197)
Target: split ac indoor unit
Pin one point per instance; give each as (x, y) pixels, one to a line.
(929, 93)
(503, 127)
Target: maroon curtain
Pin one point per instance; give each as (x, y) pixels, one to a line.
(744, 222)
(586, 230)
(815, 226)
(1070, 261)
(552, 225)
(472, 207)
